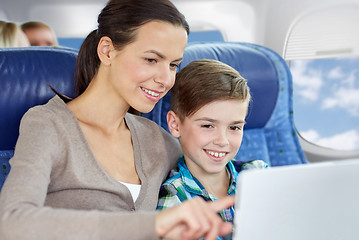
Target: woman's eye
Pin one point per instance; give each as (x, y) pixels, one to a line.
(151, 60)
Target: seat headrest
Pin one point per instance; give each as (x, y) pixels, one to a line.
(252, 65)
(24, 77)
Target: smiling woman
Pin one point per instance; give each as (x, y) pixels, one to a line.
(144, 71)
(88, 150)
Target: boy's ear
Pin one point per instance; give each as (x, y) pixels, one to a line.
(104, 48)
(173, 123)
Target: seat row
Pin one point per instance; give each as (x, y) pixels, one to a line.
(25, 74)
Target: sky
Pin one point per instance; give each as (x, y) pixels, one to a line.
(326, 101)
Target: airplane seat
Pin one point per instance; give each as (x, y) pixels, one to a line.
(269, 133)
(24, 75)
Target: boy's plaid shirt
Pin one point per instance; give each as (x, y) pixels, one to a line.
(181, 186)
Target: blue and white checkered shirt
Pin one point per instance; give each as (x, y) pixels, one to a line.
(181, 185)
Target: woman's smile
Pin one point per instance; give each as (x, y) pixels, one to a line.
(152, 95)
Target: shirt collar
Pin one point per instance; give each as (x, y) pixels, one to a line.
(193, 186)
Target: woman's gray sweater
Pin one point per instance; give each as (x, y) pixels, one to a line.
(56, 189)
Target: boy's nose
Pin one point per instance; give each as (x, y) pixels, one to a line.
(221, 138)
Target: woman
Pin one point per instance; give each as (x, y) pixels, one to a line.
(81, 168)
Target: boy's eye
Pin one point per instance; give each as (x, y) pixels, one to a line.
(207, 125)
(236, 128)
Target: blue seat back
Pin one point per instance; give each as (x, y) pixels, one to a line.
(24, 75)
(269, 133)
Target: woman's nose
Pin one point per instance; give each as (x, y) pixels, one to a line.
(166, 77)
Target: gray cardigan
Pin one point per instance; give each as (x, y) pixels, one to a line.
(56, 189)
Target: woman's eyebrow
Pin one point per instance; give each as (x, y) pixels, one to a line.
(160, 55)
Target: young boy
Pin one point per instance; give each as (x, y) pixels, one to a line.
(209, 105)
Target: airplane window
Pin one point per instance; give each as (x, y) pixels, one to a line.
(326, 101)
(324, 33)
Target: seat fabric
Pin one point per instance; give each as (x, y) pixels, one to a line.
(24, 77)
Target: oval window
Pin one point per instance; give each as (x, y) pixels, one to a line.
(326, 101)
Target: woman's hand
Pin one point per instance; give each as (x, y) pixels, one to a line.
(193, 219)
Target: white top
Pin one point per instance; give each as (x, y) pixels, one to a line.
(134, 189)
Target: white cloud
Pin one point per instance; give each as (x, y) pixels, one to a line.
(308, 81)
(310, 135)
(350, 81)
(346, 98)
(343, 79)
(336, 73)
(340, 93)
(344, 141)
